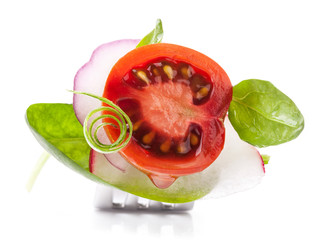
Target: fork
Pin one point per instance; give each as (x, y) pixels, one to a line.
(112, 198)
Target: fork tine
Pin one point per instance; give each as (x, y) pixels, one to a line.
(143, 203)
(112, 198)
(168, 206)
(119, 198)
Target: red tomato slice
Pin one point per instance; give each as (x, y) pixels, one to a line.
(177, 99)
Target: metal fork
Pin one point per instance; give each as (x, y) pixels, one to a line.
(112, 198)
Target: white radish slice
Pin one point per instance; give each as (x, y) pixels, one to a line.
(117, 161)
(239, 167)
(91, 78)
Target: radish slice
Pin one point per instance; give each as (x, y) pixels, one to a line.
(91, 78)
(239, 167)
(117, 161)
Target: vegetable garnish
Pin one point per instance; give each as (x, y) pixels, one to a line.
(166, 122)
(262, 115)
(155, 36)
(112, 112)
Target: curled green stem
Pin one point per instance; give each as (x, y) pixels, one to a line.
(110, 112)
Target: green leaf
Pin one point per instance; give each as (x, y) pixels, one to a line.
(58, 125)
(262, 115)
(155, 36)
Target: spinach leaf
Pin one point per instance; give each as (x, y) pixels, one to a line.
(56, 127)
(155, 36)
(262, 115)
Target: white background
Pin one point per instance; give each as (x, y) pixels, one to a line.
(43, 44)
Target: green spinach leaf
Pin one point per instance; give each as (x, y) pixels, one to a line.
(58, 125)
(262, 115)
(155, 36)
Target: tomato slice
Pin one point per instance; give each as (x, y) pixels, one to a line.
(177, 99)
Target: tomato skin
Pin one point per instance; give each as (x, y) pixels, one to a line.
(216, 108)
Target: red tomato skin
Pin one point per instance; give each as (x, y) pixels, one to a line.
(215, 108)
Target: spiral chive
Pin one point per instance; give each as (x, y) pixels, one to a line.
(122, 121)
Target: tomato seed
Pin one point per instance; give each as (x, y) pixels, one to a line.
(149, 137)
(156, 72)
(142, 76)
(183, 147)
(164, 147)
(137, 125)
(169, 71)
(194, 139)
(186, 72)
(202, 93)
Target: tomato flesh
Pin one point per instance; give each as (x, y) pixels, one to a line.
(176, 99)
